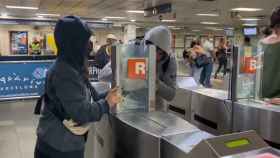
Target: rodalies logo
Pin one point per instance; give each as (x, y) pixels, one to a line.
(40, 73)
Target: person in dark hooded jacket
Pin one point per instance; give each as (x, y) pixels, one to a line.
(69, 105)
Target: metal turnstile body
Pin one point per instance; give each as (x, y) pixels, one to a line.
(139, 135)
(258, 116)
(181, 104)
(246, 144)
(211, 111)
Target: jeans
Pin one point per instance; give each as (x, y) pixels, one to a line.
(222, 63)
(43, 150)
(205, 76)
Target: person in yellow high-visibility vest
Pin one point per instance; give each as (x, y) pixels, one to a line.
(35, 47)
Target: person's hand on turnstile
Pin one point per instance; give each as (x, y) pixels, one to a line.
(114, 97)
(274, 101)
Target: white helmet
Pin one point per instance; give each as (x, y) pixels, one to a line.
(160, 36)
(111, 36)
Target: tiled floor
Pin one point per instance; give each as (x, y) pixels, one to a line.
(17, 129)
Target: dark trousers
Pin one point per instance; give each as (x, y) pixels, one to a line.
(205, 76)
(43, 150)
(222, 64)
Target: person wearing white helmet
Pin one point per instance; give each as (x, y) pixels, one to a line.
(160, 36)
(103, 56)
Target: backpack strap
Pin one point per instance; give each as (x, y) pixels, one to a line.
(38, 106)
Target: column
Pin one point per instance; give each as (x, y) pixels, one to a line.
(129, 32)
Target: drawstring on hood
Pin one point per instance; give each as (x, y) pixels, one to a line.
(72, 38)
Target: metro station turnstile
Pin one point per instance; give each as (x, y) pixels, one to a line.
(238, 145)
(136, 132)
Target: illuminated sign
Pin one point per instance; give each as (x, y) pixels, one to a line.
(160, 9)
(136, 68)
(250, 65)
(237, 143)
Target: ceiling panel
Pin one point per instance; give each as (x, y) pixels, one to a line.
(184, 10)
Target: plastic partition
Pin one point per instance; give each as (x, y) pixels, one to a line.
(248, 65)
(136, 77)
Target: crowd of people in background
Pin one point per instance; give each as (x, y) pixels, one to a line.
(201, 57)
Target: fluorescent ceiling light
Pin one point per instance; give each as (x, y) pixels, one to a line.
(21, 7)
(247, 9)
(45, 14)
(171, 26)
(209, 23)
(132, 20)
(40, 16)
(214, 28)
(176, 28)
(250, 19)
(195, 30)
(104, 19)
(229, 28)
(213, 15)
(136, 11)
(4, 15)
(250, 24)
(168, 20)
(114, 17)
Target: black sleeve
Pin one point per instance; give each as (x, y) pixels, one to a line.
(71, 93)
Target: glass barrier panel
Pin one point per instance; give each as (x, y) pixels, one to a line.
(135, 75)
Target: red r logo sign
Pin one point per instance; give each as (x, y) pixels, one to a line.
(136, 69)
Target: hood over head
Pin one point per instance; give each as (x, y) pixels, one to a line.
(160, 36)
(72, 39)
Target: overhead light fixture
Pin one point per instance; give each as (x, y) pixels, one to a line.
(114, 17)
(132, 20)
(176, 28)
(195, 30)
(209, 23)
(250, 19)
(229, 28)
(21, 7)
(41, 17)
(45, 14)
(250, 24)
(171, 26)
(215, 29)
(212, 15)
(136, 11)
(168, 20)
(4, 15)
(247, 9)
(104, 19)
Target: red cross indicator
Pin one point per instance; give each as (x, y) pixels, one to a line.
(136, 69)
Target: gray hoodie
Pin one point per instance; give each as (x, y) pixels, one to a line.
(67, 88)
(160, 36)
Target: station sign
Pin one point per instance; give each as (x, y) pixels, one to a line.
(160, 9)
(137, 68)
(27, 79)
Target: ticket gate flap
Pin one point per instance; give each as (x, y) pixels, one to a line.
(228, 145)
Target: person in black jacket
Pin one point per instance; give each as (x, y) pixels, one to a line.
(103, 55)
(70, 101)
(222, 57)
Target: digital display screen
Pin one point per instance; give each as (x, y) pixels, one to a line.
(250, 31)
(237, 143)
